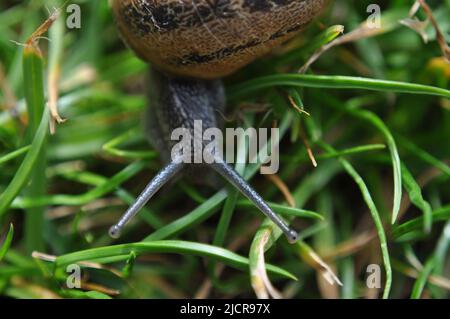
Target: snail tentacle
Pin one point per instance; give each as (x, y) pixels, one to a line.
(241, 184)
(168, 172)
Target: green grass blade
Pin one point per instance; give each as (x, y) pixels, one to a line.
(284, 210)
(416, 197)
(333, 82)
(227, 212)
(166, 246)
(375, 121)
(375, 216)
(395, 157)
(14, 154)
(195, 217)
(353, 151)
(107, 186)
(78, 294)
(7, 242)
(23, 174)
(421, 281)
(111, 147)
(442, 249)
(416, 224)
(33, 73)
(425, 156)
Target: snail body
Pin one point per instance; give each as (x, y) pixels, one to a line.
(191, 45)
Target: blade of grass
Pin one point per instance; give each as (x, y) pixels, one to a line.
(284, 210)
(416, 197)
(221, 232)
(166, 246)
(99, 181)
(434, 263)
(411, 226)
(7, 243)
(268, 233)
(345, 152)
(332, 82)
(257, 266)
(395, 157)
(227, 211)
(421, 281)
(54, 68)
(77, 294)
(14, 154)
(313, 259)
(76, 200)
(111, 147)
(195, 217)
(375, 121)
(440, 257)
(317, 42)
(353, 151)
(33, 74)
(23, 174)
(442, 249)
(310, 185)
(423, 155)
(375, 216)
(230, 202)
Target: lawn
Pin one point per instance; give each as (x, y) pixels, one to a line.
(362, 103)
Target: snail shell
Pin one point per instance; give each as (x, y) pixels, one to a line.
(209, 38)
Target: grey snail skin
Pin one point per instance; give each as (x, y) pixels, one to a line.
(191, 45)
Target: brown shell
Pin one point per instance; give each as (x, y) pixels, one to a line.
(209, 38)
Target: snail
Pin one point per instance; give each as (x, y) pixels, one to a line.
(191, 45)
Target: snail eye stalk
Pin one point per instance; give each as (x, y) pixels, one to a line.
(223, 169)
(241, 184)
(168, 172)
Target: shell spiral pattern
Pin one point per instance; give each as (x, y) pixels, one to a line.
(209, 38)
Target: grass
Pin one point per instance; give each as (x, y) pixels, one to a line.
(371, 111)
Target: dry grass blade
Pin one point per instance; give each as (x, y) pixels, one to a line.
(54, 72)
(362, 32)
(33, 40)
(87, 264)
(439, 35)
(283, 188)
(260, 281)
(309, 150)
(314, 260)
